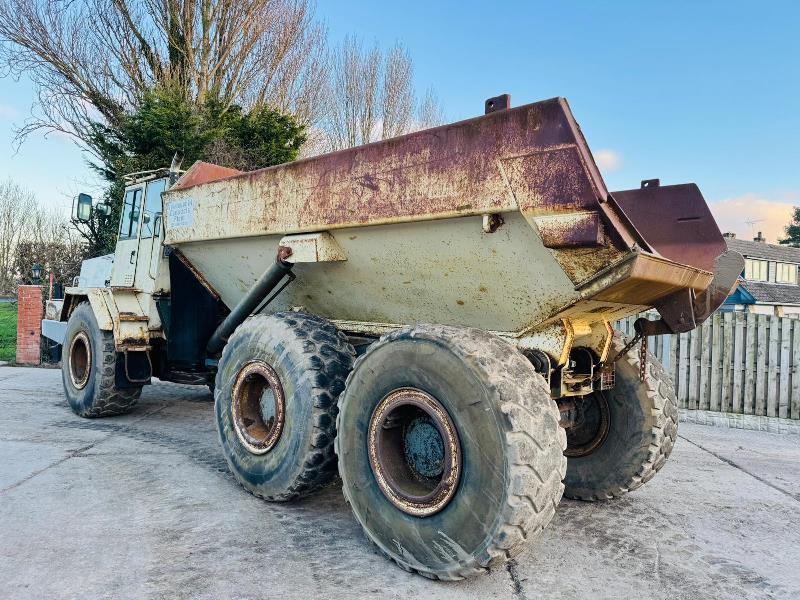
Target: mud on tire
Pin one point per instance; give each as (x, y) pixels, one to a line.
(88, 368)
(643, 427)
(311, 359)
(511, 449)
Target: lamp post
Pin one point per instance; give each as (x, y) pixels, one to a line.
(36, 271)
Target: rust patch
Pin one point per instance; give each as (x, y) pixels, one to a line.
(257, 430)
(675, 221)
(394, 469)
(202, 172)
(581, 263)
(551, 179)
(284, 252)
(129, 316)
(132, 343)
(570, 230)
(436, 173)
(492, 223)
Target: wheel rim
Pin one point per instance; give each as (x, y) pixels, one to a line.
(414, 452)
(589, 425)
(258, 407)
(80, 360)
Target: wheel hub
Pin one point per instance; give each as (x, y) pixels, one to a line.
(414, 452)
(258, 407)
(587, 423)
(80, 360)
(423, 447)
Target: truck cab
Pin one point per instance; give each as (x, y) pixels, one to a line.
(131, 295)
(138, 253)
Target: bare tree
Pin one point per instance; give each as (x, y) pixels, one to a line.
(92, 60)
(371, 97)
(31, 233)
(397, 95)
(62, 259)
(353, 87)
(16, 208)
(48, 226)
(430, 112)
(53, 243)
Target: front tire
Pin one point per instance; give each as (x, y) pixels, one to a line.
(88, 364)
(626, 433)
(275, 403)
(449, 447)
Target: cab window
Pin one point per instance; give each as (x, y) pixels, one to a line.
(129, 227)
(152, 207)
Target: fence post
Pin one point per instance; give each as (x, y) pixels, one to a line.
(783, 386)
(795, 371)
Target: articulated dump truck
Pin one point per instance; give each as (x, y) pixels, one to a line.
(430, 317)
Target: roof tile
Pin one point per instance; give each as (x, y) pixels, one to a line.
(765, 251)
(773, 293)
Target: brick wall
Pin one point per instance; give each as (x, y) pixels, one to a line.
(29, 324)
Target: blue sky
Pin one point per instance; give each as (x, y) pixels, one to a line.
(686, 91)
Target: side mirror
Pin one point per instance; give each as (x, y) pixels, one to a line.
(146, 218)
(103, 209)
(83, 210)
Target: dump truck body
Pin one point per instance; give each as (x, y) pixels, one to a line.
(500, 222)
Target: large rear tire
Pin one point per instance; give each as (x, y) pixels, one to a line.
(626, 433)
(88, 364)
(450, 452)
(275, 403)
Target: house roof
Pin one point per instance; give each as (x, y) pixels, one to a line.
(772, 293)
(765, 251)
(740, 296)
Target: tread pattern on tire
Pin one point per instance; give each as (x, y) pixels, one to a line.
(664, 432)
(110, 400)
(532, 416)
(324, 346)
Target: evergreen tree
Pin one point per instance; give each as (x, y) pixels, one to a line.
(792, 230)
(166, 123)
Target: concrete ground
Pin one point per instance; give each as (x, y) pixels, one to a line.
(143, 506)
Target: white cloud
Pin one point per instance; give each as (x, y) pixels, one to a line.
(608, 160)
(748, 214)
(7, 112)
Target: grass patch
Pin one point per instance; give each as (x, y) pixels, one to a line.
(8, 331)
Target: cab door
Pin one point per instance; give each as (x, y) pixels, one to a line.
(123, 273)
(149, 249)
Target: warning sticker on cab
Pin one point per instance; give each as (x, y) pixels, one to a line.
(180, 213)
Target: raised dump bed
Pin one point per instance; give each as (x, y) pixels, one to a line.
(500, 222)
(430, 314)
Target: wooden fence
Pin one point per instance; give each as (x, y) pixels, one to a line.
(735, 362)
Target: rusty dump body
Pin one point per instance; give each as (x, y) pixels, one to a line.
(500, 222)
